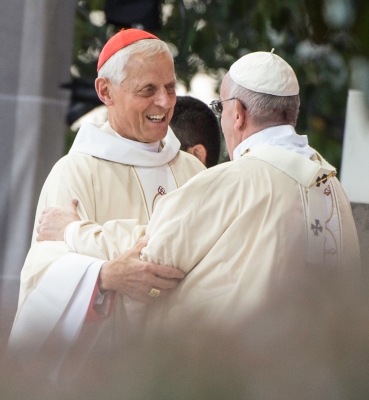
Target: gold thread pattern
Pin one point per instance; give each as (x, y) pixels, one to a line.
(142, 192)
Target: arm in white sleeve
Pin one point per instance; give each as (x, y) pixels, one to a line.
(187, 223)
(106, 241)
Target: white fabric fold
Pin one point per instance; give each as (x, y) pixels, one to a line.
(283, 136)
(68, 234)
(44, 311)
(93, 140)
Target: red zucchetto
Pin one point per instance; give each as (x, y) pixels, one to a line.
(120, 40)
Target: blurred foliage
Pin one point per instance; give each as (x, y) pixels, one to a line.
(318, 38)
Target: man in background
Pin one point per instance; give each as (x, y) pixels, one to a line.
(197, 128)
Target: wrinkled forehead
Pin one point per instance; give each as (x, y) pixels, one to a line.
(156, 61)
(143, 69)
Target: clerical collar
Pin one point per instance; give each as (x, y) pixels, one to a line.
(153, 147)
(100, 141)
(281, 136)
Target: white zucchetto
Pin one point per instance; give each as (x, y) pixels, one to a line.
(265, 72)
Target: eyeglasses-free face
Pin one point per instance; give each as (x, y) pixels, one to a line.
(217, 106)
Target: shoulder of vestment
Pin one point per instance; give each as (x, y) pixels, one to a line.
(188, 159)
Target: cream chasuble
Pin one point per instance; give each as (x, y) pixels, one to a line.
(242, 226)
(117, 186)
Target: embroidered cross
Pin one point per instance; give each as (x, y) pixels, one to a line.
(320, 180)
(327, 191)
(316, 228)
(161, 190)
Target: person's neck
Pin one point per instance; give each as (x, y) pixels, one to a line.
(116, 129)
(252, 129)
(249, 131)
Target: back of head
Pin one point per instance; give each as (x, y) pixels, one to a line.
(194, 123)
(267, 86)
(118, 50)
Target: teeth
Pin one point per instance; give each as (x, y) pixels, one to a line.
(155, 118)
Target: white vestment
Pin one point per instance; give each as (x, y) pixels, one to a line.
(242, 226)
(117, 186)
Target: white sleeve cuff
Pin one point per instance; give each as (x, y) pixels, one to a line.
(75, 313)
(102, 302)
(69, 232)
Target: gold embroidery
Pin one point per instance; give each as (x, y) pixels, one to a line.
(324, 178)
(175, 179)
(332, 206)
(334, 252)
(142, 192)
(161, 192)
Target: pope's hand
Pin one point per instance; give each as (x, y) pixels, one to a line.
(54, 220)
(130, 276)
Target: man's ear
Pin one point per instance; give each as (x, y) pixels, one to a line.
(199, 151)
(240, 116)
(103, 90)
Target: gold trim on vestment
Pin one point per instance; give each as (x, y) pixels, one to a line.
(157, 194)
(325, 179)
(175, 179)
(142, 192)
(330, 217)
(335, 243)
(339, 220)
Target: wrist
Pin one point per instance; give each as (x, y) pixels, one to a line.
(103, 281)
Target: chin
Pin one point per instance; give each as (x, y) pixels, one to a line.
(159, 134)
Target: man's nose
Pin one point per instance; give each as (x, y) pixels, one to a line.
(164, 99)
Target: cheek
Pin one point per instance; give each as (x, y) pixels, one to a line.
(170, 114)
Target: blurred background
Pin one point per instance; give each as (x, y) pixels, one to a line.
(48, 56)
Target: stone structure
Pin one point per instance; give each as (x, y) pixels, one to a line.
(355, 163)
(36, 40)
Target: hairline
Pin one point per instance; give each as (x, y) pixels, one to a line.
(114, 69)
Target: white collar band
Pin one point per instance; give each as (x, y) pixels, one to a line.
(281, 136)
(100, 141)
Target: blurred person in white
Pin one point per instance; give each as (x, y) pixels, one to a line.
(238, 228)
(118, 172)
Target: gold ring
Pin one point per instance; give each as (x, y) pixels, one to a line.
(154, 292)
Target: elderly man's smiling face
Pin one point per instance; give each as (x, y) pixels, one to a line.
(142, 106)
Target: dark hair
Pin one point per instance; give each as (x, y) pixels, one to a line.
(193, 123)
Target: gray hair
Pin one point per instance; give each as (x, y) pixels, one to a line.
(265, 109)
(114, 68)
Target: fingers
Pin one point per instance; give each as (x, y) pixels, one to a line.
(164, 284)
(136, 249)
(42, 236)
(72, 207)
(166, 272)
(135, 278)
(46, 209)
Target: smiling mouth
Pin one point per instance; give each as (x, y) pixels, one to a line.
(156, 118)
